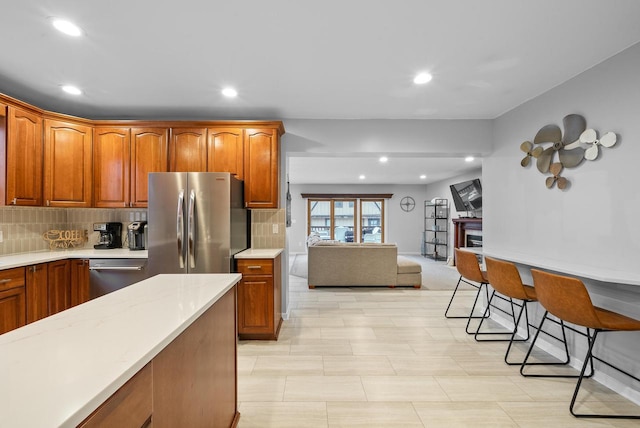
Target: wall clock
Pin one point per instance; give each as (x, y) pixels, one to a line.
(407, 204)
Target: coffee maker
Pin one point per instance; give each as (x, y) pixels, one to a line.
(137, 235)
(110, 235)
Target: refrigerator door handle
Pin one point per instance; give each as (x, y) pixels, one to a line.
(180, 227)
(192, 248)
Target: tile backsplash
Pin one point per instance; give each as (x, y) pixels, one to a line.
(22, 227)
(263, 234)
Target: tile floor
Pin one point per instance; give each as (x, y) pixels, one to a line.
(388, 358)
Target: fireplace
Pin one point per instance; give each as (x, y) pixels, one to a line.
(473, 238)
(467, 232)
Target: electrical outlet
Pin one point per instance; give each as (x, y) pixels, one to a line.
(275, 227)
(1, 236)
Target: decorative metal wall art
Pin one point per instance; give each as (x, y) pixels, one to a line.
(575, 144)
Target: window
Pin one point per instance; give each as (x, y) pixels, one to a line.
(337, 219)
(371, 222)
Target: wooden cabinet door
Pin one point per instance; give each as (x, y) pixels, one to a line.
(111, 167)
(59, 286)
(261, 168)
(225, 151)
(67, 164)
(12, 309)
(79, 286)
(37, 292)
(255, 305)
(24, 157)
(12, 299)
(149, 148)
(188, 150)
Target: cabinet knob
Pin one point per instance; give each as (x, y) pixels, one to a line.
(14, 201)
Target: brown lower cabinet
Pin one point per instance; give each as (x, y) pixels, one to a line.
(190, 383)
(79, 286)
(12, 299)
(259, 298)
(37, 282)
(59, 286)
(28, 294)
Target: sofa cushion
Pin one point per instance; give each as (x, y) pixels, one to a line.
(406, 265)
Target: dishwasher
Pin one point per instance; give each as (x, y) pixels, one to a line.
(107, 275)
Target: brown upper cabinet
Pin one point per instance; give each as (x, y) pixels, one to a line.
(188, 150)
(24, 158)
(149, 148)
(225, 151)
(67, 164)
(261, 168)
(123, 159)
(111, 162)
(61, 161)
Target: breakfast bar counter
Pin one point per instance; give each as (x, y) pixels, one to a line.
(59, 370)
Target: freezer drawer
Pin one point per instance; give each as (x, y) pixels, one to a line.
(107, 275)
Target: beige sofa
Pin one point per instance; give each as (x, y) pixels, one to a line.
(353, 264)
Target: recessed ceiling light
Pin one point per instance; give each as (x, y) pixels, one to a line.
(67, 27)
(362, 177)
(422, 78)
(229, 92)
(70, 89)
(384, 159)
(423, 177)
(469, 159)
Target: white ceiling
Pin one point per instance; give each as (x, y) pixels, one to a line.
(397, 170)
(340, 59)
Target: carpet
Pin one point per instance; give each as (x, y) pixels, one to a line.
(435, 275)
(299, 266)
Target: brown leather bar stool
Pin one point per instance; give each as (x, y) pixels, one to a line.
(470, 273)
(567, 298)
(505, 279)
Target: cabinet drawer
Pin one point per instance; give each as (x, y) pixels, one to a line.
(11, 278)
(255, 266)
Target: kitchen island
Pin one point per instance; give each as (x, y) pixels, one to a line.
(174, 336)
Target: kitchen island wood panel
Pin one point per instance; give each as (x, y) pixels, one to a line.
(194, 378)
(78, 361)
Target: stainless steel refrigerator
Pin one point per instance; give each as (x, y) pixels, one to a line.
(196, 222)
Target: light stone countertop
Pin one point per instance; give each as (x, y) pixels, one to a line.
(259, 253)
(27, 259)
(56, 371)
(598, 273)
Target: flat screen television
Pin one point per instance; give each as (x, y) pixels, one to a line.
(467, 196)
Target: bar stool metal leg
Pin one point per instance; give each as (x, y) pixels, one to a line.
(562, 340)
(478, 287)
(588, 358)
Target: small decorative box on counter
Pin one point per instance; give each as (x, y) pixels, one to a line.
(63, 239)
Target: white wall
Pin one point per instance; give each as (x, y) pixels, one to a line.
(402, 228)
(592, 226)
(595, 220)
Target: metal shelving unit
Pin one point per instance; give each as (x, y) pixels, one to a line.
(435, 237)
